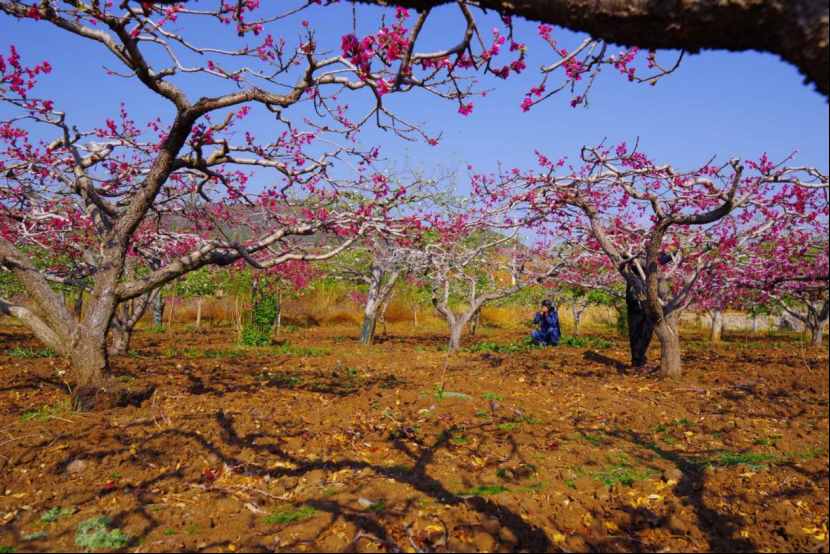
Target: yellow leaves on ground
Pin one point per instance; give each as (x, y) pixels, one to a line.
(818, 533)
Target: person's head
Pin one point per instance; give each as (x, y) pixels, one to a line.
(547, 305)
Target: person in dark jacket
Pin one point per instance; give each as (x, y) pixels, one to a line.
(640, 326)
(548, 321)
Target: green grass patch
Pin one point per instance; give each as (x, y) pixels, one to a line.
(284, 517)
(533, 487)
(622, 475)
(504, 348)
(484, 490)
(585, 342)
(95, 534)
(459, 440)
(507, 426)
(754, 460)
(596, 439)
(288, 349)
(441, 394)
(23, 352)
(45, 412)
(192, 529)
(492, 396)
(620, 471)
(54, 514)
(770, 441)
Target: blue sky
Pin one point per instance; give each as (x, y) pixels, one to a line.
(717, 103)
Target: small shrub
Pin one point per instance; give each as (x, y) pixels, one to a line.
(95, 534)
(255, 336)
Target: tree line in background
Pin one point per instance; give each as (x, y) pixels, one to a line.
(124, 208)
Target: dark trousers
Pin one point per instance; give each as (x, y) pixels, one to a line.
(640, 330)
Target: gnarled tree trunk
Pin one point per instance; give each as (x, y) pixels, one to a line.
(381, 284)
(127, 315)
(669, 337)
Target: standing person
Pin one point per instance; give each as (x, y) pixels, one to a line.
(548, 321)
(640, 325)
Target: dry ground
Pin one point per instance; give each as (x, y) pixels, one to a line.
(324, 445)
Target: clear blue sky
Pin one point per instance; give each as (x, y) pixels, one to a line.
(717, 103)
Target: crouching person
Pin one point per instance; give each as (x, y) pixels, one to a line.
(548, 321)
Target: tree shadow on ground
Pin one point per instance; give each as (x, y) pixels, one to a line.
(596, 357)
(721, 529)
(372, 525)
(338, 382)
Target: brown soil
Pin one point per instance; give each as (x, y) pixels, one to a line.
(551, 450)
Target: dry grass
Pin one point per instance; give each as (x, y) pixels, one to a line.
(398, 312)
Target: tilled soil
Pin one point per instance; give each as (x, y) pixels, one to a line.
(330, 446)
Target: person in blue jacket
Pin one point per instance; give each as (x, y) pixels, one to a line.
(548, 321)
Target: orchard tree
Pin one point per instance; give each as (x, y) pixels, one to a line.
(183, 185)
(378, 265)
(471, 265)
(635, 212)
(790, 271)
(197, 284)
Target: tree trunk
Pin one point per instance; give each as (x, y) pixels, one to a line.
(474, 322)
(120, 340)
(367, 330)
(816, 334)
(577, 315)
(670, 363)
(279, 312)
(382, 314)
(79, 304)
(158, 311)
(198, 312)
(90, 372)
(716, 330)
(455, 335)
(754, 323)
